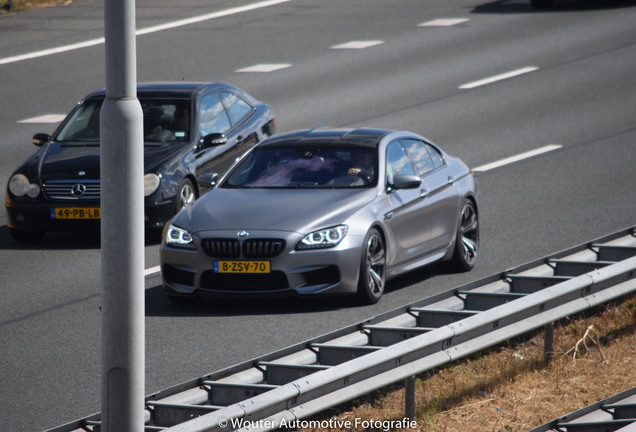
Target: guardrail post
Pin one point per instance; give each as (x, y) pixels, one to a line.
(409, 397)
(548, 343)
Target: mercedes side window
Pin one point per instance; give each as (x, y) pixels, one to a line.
(83, 124)
(214, 119)
(397, 162)
(419, 155)
(237, 107)
(166, 120)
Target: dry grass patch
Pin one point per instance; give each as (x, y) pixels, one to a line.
(510, 389)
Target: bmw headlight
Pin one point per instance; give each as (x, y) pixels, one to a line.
(178, 237)
(324, 238)
(19, 185)
(151, 183)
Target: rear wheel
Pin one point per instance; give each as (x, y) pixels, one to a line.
(371, 281)
(467, 239)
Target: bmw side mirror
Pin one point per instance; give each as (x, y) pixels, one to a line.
(208, 181)
(39, 139)
(406, 181)
(211, 140)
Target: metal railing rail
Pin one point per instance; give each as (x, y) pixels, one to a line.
(310, 377)
(615, 413)
(324, 389)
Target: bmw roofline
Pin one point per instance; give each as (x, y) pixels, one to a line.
(366, 137)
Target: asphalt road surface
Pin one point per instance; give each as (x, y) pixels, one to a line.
(488, 81)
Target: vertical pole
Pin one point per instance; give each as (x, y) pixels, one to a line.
(409, 398)
(122, 227)
(548, 343)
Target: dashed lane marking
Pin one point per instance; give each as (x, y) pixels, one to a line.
(47, 118)
(265, 67)
(499, 77)
(517, 158)
(443, 22)
(358, 44)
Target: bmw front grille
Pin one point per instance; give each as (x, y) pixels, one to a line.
(251, 249)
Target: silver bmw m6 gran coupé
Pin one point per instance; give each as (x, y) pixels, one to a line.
(323, 212)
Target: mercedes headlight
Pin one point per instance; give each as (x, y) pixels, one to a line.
(324, 238)
(178, 237)
(19, 185)
(151, 183)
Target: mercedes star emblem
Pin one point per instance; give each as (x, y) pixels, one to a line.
(78, 190)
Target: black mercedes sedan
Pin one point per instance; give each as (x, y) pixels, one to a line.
(190, 129)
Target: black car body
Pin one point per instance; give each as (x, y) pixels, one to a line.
(190, 129)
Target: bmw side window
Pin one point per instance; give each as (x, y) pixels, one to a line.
(419, 155)
(214, 119)
(436, 156)
(397, 162)
(237, 107)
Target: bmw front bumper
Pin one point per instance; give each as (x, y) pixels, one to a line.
(331, 271)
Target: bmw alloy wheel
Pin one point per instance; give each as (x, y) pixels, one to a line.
(371, 283)
(468, 236)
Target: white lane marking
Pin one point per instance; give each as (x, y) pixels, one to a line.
(499, 77)
(178, 23)
(265, 67)
(443, 22)
(51, 51)
(211, 16)
(152, 270)
(46, 118)
(517, 158)
(358, 44)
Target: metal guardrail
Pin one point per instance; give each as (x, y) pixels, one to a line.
(616, 413)
(306, 379)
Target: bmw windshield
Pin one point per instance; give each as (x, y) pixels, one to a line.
(304, 167)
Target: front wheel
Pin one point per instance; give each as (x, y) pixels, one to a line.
(26, 236)
(371, 281)
(467, 238)
(186, 196)
(541, 4)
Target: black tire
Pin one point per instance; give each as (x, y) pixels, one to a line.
(179, 300)
(26, 236)
(467, 239)
(542, 4)
(372, 278)
(186, 196)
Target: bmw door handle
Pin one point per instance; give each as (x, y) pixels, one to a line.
(423, 193)
(451, 180)
(239, 139)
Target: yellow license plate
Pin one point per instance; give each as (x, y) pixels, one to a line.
(75, 213)
(241, 267)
